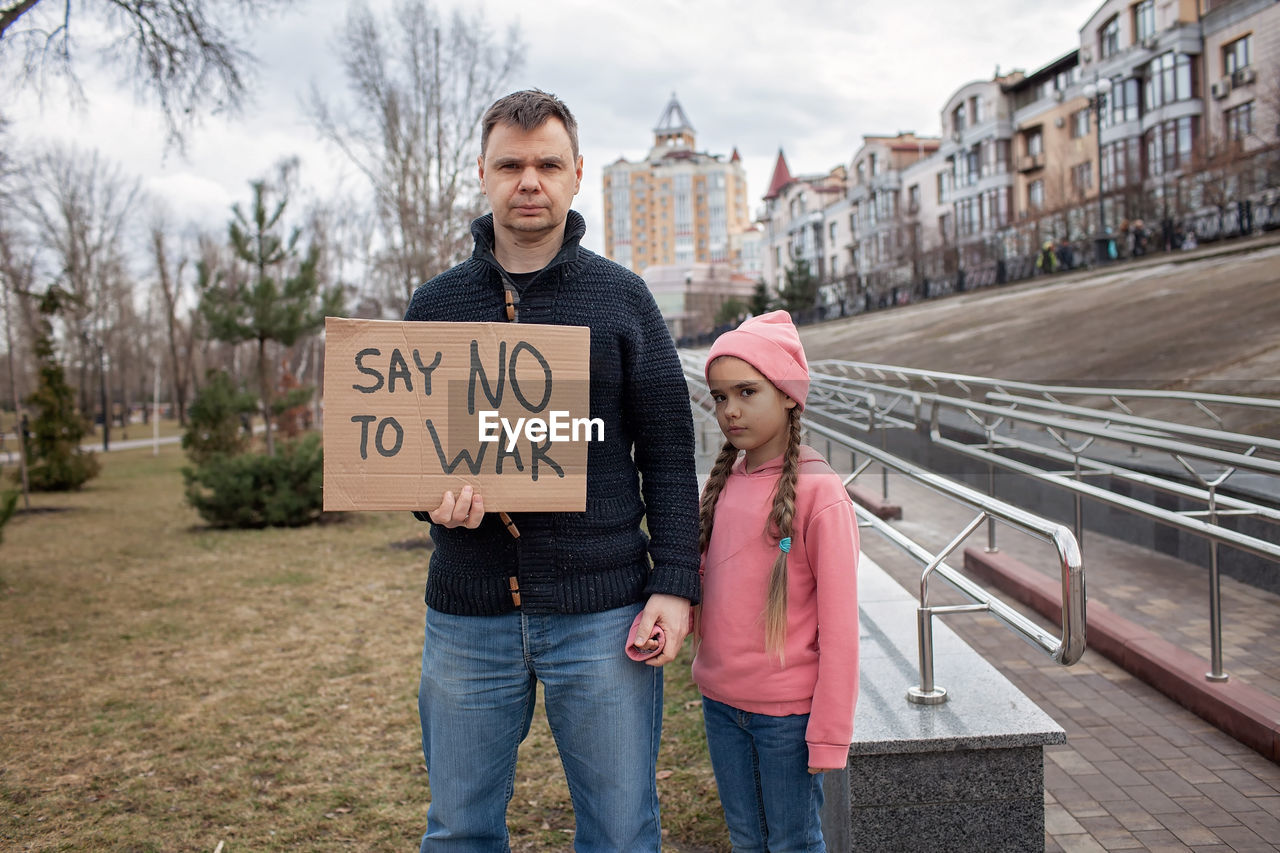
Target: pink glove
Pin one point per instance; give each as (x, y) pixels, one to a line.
(641, 654)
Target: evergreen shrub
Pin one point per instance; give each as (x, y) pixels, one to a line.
(252, 490)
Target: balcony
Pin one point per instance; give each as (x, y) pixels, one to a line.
(1031, 162)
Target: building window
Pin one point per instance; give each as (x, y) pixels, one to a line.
(957, 119)
(1081, 178)
(853, 223)
(1035, 194)
(1169, 146)
(1035, 143)
(886, 205)
(1121, 103)
(913, 198)
(1239, 122)
(1169, 79)
(1144, 20)
(1000, 151)
(1109, 38)
(1080, 123)
(995, 208)
(832, 232)
(1121, 164)
(1236, 55)
(942, 187)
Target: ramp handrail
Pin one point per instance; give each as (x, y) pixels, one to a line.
(1234, 452)
(936, 378)
(1065, 649)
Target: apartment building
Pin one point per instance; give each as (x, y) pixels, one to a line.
(1054, 152)
(795, 221)
(1241, 53)
(1162, 111)
(1147, 55)
(677, 206)
(978, 178)
(886, 231)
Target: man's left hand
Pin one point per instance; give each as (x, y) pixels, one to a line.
(671, 613)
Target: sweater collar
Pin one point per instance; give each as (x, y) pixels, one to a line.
(574, 229)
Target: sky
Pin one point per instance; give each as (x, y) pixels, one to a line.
(809, 77)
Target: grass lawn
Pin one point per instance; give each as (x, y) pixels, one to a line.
(164, 686)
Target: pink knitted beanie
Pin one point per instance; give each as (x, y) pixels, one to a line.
(771, 345)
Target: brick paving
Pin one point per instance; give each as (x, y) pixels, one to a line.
(1138, 771)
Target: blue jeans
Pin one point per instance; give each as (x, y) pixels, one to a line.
(770, 801)
(476, 701)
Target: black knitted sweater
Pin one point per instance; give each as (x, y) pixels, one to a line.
(643, 470)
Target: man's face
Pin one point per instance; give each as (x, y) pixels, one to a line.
(530, 178)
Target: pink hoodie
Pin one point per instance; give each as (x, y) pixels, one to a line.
(820, 675)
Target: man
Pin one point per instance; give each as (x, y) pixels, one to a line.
(551, 597)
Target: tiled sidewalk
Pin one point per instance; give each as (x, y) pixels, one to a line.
(1138, 771)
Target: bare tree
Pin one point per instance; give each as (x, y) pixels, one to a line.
(16, 275)
(1218, 178)
(178, 313)
(346, 230)
(79, 206)
(419, 88)
(1266, 121)
(186, 56)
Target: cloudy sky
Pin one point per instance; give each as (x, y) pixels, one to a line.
(808, 76)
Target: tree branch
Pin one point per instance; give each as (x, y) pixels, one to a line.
(10, 15)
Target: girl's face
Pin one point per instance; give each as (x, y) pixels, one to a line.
(753, 414)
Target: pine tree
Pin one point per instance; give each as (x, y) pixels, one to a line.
(282, 302)
(214, 423)
(54, 458)
(801, 292)
(760, 299)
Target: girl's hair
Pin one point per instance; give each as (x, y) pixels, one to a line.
(779, 526)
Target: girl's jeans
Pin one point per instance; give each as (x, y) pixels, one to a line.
(770, 801)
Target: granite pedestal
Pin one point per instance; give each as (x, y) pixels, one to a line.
(964, 775)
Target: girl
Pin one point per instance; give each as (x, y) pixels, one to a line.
(777, 660)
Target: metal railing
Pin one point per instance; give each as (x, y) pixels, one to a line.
(1000, 416)
(1065, 649)
(936, 380)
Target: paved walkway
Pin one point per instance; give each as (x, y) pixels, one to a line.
(1138, 771)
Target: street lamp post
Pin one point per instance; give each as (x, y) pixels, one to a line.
(1097, 92)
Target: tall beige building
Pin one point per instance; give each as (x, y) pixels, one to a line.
(677, 206)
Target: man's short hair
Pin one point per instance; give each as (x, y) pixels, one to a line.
(529, 110)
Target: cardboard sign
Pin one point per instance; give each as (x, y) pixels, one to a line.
(412, 410)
